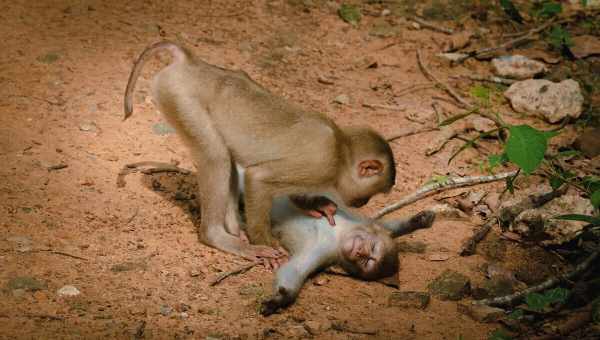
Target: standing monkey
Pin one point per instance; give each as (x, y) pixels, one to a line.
(225, 118)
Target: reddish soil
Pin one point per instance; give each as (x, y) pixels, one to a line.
(63, 69)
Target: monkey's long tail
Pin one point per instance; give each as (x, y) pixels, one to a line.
(178, 53)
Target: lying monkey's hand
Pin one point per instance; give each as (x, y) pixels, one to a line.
(278, 300)
(257, 253)
(316, 206)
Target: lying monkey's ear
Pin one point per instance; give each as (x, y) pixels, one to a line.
(400, 227)
(370, 168)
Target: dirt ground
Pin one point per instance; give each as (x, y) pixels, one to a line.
(135, 256)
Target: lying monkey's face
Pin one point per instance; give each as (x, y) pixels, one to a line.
(368, 253)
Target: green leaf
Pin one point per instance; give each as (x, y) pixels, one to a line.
(591, 183)
(549, 9)
(595, 198)
(526, 147)
(595, 221)
(557, 295)
(568, 153)
(482, 93)
(350, 14)
(536, 301)
(550, 134)
(516, 314)
(559, 38)
(499, 334)
(556, 182)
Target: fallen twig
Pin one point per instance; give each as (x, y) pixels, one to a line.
(237, 271)
(409, 131)
(440, 83)
(445, 135)
(513, 298)
(343, 327)
(413, 88)
(469, 245)
(450, 183)
(157, 167)
(489, 79)
(58, 252)
(57, 167)
(384, 107)
(432, 26)
(439, 112)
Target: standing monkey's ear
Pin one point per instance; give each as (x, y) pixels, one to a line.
(370, 168)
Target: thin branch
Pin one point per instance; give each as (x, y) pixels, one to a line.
(450, 183)
(440, 83)
(58, 252)
(513, 298)
(432, 26)
(413, 88)
(409, 132)
(469, 245)
(384, 107)
(489, 79)
(237, 271)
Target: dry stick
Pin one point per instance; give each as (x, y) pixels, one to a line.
(57, 252)
(409, 132)
(490, 79)
(512, 298)
(384, 107)
(469, 245)
(342, 327)
(432, 26)
(240, 270)
(444, 86)
(413, 88)
(450, 183)
(463, 102)
(528, 35)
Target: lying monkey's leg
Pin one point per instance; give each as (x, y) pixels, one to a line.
(400, 227)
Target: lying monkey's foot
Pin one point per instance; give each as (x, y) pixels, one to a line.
(424, 219)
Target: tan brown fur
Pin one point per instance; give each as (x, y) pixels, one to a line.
(225, 118)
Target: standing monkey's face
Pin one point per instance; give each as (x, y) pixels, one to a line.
(366, 252)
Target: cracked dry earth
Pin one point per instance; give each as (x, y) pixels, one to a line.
(132, 251)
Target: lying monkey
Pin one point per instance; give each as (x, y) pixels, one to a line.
(224, 118)
(362, 247)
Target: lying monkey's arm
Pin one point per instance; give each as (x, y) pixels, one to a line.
(291, 276)
(400, 227)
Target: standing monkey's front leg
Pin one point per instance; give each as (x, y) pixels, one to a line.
(258, 200)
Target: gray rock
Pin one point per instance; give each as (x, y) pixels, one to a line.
(481, 313)
(549, 100)
(539, 224)
(68, 290)
(88, 127)
(128, 266)
(450, 285)
(417, 247)
(517, 67)
(22, 244)
(26, 283)
(342, 99)
(162, 129)
(166, 310)
(317, 327)
(419, 300)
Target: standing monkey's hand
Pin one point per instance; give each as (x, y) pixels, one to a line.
(316, 206)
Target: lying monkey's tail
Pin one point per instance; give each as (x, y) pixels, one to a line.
(178, 53)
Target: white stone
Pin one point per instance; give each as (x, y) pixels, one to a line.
(68, 290)
(517, 67)
(552, 101)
